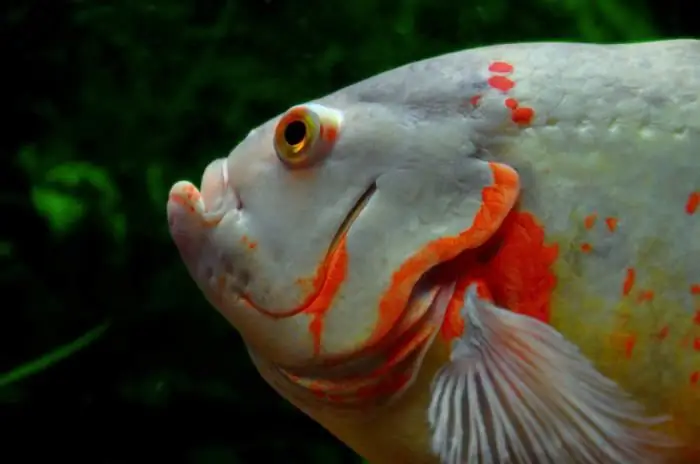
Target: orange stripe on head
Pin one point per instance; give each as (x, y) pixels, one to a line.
(496, 201)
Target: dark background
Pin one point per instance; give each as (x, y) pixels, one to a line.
(108, 352)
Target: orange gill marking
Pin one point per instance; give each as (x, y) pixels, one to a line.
(693, 202)
(335, 275)
(381, 381)
(611, 222)
(496, 199)
(521, 115)
(324, 286)
(513, 269)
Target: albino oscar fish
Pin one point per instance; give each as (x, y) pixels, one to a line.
(490, 256)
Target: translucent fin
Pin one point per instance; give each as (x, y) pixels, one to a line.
(515, 391)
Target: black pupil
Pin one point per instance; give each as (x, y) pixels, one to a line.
(295, 132)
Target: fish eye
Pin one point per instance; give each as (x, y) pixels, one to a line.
(302, 136)
(295, 133)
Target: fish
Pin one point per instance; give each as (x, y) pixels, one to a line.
(486, 256)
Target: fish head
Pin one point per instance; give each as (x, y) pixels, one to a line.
(315, 232)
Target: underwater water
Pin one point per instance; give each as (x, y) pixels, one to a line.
(109, 352)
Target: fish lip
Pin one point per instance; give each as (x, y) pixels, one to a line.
(219, 195)
(341, 232)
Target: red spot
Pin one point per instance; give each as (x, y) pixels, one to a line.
(589, 221)
(695, 378)
(475, 100)
(523, 115)
(645, 295)
(586, 247)
(629, 281)
(693, 201)
(511, 103)
(663, 333)
(630, 341)
(501, 83)
(501, 67)
(696, 344)
(695, 289)
(611, 223)
(696, 318)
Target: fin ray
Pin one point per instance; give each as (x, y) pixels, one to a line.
(516, 390)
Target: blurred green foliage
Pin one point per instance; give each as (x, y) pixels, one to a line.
(110, 354)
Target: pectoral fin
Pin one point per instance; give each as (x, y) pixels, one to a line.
(517, 391)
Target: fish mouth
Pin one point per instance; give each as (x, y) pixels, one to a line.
(322, 276)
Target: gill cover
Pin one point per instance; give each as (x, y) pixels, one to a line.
(311, 235)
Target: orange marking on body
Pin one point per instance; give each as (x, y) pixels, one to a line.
(628, 284)
(496, 200)
(695, 378)
(523, 115)
(586, 247)
(328, 132)
(474, 100)
(692, 204)
(250, 244)
(453, 323)
(335, 275)
(611, 222)
(645, 296)
(524, 289)
(589, 221)
(501, 67)
(629, 345)
(180, 201)
(497, 268)
(501, 83)
(663, 333)
(695, 289)
(322, 289)
(511, 103)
